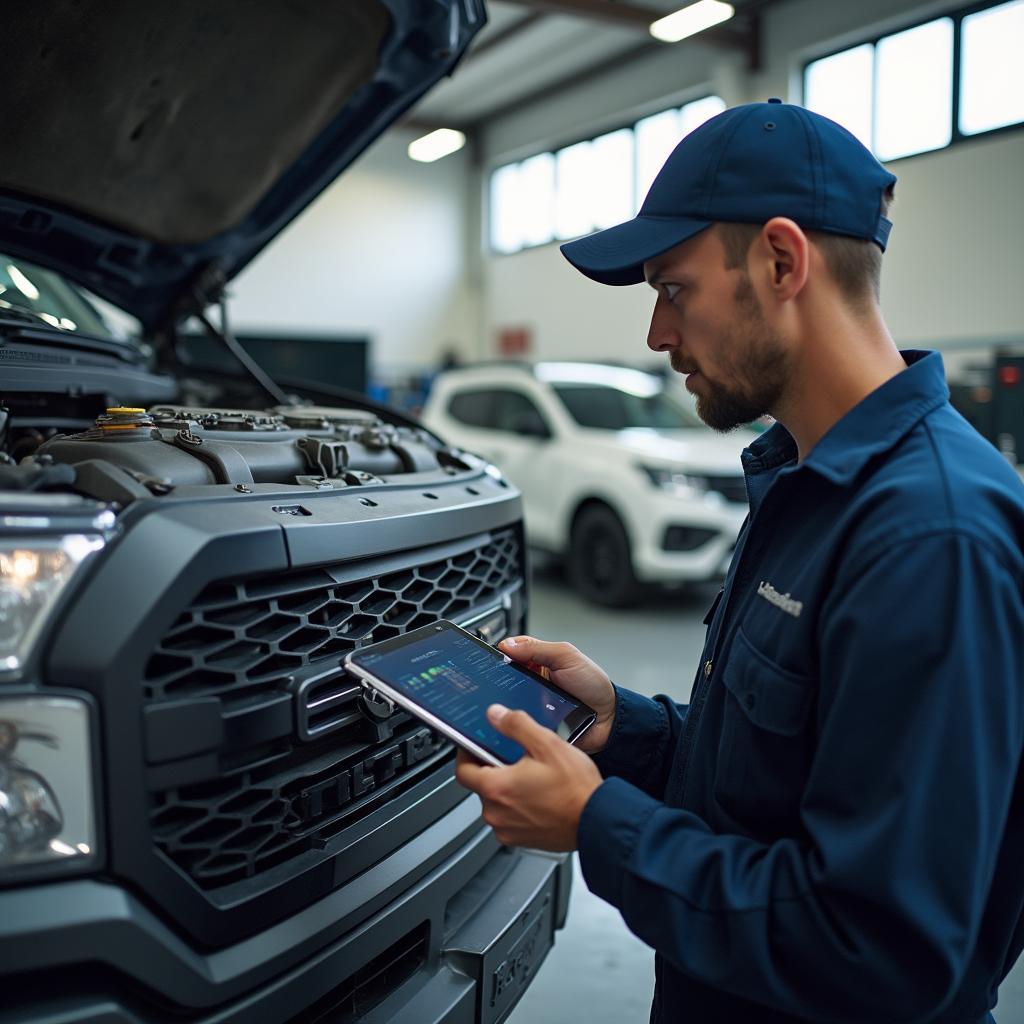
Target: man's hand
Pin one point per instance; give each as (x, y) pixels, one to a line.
(575, 673)
(537, 801)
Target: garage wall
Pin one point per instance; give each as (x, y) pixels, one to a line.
(396, 250)
(953, 268)
(383, 252)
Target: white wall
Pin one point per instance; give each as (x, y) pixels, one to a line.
(954, 267)
(382, 252)
(395, 249)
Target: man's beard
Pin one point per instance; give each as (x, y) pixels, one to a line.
(752, 358)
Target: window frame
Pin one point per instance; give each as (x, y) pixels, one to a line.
(555, 239)
(957, 16)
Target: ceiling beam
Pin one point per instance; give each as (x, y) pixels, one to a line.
(562, 85)
(750, 45)
(503, 36)
(743, 34)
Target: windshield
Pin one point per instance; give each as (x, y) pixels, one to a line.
(29, 289)
(609, 408)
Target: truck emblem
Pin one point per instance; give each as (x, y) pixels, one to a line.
(314, 806)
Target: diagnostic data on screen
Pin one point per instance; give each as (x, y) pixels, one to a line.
(456, 680)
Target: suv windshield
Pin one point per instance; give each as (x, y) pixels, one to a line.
(46, 296)
(609, 408)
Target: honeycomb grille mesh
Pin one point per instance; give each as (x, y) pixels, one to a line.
(245, 632)
(238, 641)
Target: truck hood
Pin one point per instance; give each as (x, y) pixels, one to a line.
(695, 450)
(149, 151)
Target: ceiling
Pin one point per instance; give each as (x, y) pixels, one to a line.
(534, 48)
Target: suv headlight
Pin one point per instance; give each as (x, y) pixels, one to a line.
(684, 484)
(33, 572)
(46, 799)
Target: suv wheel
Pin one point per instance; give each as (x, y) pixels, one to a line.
(600, 562)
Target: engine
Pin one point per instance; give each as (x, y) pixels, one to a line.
(134, 452)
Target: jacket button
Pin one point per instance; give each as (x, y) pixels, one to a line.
(707, 668)
(749, 701)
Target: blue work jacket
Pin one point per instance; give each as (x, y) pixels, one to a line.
(833, 829)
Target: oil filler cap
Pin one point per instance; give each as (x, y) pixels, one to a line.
(120, 417)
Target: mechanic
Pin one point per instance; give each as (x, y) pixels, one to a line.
(833, 829)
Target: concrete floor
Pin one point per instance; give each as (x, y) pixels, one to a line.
(598, 971)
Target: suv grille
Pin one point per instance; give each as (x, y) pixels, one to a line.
(273, 797)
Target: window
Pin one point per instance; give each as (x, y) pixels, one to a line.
(589, 185)
(473, 408)
(594, 184)
(656, 137)
(498, 409)
(607, 408)
(506, 235)
(612, 191)
(523, 204)
(842, 87)
(537, 199)
(991, 69)
(914, 90)
(574, 214)
(24, 287)
(906, 92)
(516, 414)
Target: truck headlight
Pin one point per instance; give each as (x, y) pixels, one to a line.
(33, 572)
(46, 799)
(684, 484)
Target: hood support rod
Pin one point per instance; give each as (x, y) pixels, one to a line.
(231, 343)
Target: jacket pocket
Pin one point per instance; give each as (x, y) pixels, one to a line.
(765, 745)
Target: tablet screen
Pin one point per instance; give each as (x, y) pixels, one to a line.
(457, 679)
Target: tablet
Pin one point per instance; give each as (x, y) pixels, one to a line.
(448, 678)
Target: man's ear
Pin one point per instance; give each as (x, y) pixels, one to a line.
(786, 251)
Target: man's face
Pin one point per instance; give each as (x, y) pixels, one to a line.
(710, 322)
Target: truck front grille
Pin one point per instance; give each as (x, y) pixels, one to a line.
(268, 795)
(238, 633)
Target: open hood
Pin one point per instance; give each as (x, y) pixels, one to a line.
(150, 150)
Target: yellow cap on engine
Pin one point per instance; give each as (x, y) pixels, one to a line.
(119, 410)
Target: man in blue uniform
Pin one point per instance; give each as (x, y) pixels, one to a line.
(833, 829)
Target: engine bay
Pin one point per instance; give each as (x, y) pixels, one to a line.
(133, 452)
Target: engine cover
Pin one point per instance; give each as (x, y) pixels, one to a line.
(175, 445)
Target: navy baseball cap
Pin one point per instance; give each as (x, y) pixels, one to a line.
(748, 164)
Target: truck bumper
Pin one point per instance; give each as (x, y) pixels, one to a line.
(460, 946)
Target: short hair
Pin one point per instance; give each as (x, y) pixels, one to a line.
(854, 263)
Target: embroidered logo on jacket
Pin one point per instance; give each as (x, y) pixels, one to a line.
(782, 601)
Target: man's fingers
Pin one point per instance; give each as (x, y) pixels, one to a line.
(539, 654)
(469, 772)
(519, 726)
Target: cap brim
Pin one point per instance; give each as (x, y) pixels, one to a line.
(617, 255)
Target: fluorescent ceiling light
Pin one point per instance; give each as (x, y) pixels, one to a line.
(691, 20)
(437, 144)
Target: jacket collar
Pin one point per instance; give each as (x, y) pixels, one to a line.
(871, 427)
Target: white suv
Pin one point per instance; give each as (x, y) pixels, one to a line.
(618, 473)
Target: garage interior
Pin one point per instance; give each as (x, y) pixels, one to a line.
(542, 76)
(408, 266)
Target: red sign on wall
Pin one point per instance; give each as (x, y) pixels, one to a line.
(514, 341)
